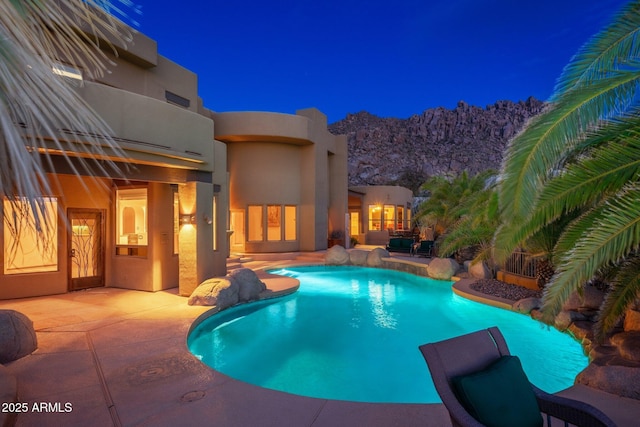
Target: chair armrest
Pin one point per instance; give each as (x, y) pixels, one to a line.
(572, 411)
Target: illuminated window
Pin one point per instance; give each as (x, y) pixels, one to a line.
(131, 217)
(389, 214)
(274, 224)
(354, 223)
(176, 222)
(30, 241)
(375, 217)
(400, 218)
(408, 217)
(290, 223)
(255, 227)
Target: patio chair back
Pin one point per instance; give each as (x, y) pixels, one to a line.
(474, 352)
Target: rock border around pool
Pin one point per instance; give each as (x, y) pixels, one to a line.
(437, 268)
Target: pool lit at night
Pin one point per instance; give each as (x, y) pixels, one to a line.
(352, 333)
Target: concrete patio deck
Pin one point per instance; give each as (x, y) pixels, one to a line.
(119, 358)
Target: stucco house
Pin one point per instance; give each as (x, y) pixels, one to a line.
(288, 185)
(376, 211)
(277, 181)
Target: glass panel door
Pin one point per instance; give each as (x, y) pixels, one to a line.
(86, 251)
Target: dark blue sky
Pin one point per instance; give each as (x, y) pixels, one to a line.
(393, 58)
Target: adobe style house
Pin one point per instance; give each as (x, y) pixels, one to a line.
(288, 185)
(378, 210)
(195, 182)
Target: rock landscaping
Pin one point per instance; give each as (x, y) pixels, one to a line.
(241, 285)
(615, 364)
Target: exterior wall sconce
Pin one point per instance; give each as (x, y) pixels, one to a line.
(187, 219)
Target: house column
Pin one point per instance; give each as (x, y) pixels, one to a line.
(195, 244)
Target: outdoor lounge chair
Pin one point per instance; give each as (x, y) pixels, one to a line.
(399, 244)
(424, 248)
(476, 367)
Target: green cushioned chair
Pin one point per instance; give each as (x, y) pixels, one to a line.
(477, 380)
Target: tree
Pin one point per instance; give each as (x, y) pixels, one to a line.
(580, 159)
(464, 209)
(40, 110)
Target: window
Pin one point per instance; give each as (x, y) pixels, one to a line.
(290, 223)
(375, 217)
(255, 231)
(30, 240)
(131, 217)
(400, 218)
(173, 98)
(354, 223)
(274, 225)
(389, 214)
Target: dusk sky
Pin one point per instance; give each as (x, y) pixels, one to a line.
(391, 58)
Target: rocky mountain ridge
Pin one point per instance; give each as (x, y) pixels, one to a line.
(390, 151)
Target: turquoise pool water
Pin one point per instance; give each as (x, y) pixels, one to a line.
(352, 333)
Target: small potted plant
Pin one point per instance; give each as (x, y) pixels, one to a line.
(336, 238)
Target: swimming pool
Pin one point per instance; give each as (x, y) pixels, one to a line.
(352, 333)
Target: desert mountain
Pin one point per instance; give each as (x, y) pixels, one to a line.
(390, 151)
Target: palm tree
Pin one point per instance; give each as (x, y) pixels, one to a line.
(580, 159)
(464, 210)
(40, 111)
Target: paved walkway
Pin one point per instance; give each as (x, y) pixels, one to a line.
(113, 357)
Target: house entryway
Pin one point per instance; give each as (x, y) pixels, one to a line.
(237, 226)
(86, 248)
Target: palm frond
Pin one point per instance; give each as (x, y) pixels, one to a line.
(607, 169)
(624, 290)
(36, 104)
(536, 153)
(606, 51)
(614, 234)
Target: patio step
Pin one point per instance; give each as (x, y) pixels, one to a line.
(310, 256)
(235, 262)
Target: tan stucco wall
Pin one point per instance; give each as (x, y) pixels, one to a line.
(72, 192)
(153, 131)
(287, 159)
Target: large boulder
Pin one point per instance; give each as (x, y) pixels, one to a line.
(591, 298)
(525, 305)
(249, 285)
(479, 270)
(220, 291)
(565, 318)
(358, 257)
(615, 379)
(628, 344)
(17, 336)
(374, 258)
(336, 255)
(442, 268)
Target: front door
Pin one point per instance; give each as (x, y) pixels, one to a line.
(86, 248)
(237, 225)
